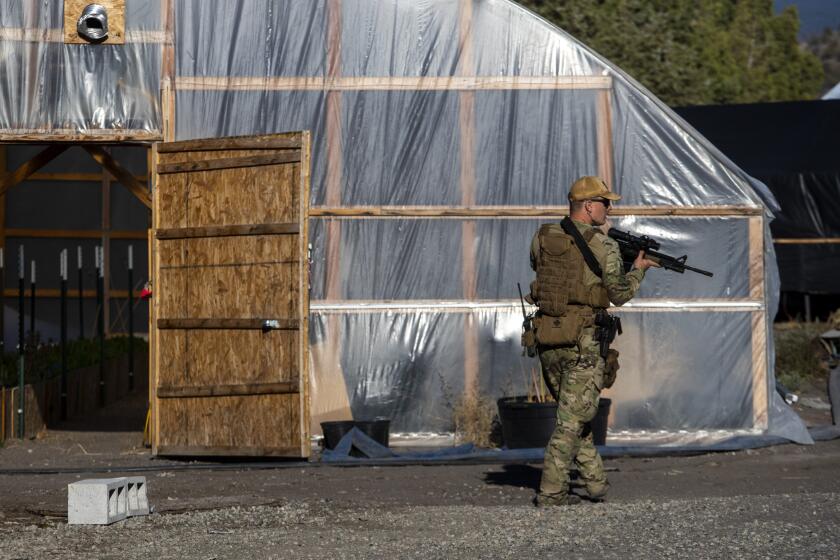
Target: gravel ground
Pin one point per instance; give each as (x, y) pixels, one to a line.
(781, 526)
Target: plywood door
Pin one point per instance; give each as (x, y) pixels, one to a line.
(230, 281)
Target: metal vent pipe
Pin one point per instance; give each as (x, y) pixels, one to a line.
(93, 23)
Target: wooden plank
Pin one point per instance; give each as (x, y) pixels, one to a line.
(807, 241)
(291, 140)
(48, 35)
(207, 252)
(167, 71)
(73, 233)
(106, 248)
(392, 83)
(605, 136)
(303, 293)
(759, 327)
(258, 324)
(231, 425)
(291, 156)
(47, 134)
(26, 169)
(116, 21)
(154, 274)
(222, 231)
(266, 188)
(167, 392)
(335, 211)
(226, 451)
(138, 189)
(75, 177)
(3, 234)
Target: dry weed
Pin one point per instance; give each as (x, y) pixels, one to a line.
(473, 415)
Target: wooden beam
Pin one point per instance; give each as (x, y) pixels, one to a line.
(25, 170)
(282, 387)
(233, 324)
(520, 211)
(167, 71)
(270, 142)
(106, 248)
(759, 324)
(2, 268)
(41, 35)
(96, 136)
(138, 189)
(396, 83)
(605, 136)
(807, 241)
(76, 177)
(224, 231)
(73, 233)
(289, 156)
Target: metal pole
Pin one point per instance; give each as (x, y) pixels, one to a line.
(32, 305)
(63, 269)
(130, 318)
(81, 299)
(100, 320)
(21, 335)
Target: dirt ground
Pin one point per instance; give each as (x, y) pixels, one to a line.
(781, 492)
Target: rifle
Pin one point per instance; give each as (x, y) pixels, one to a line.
(529, 341)
(630, 246)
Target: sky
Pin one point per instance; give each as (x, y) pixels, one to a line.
(814, 15)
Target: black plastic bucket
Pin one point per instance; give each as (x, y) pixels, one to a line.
(376, 429)
(530, 424)
(526, 424)
(334, 431)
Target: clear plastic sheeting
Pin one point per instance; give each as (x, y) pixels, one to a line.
(437, 126)
(47, 86)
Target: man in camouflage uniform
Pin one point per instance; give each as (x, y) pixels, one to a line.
(568, 294)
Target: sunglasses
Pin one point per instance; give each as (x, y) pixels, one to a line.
(603, 201)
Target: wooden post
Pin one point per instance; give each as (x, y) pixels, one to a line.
(466, 123)
(328, 375)
(759, 322)
(106, 252)
(167, 68)
(604, 135)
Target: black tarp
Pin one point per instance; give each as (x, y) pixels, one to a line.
(794, 148)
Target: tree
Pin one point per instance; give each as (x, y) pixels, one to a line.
(701, 52)
(826, 46)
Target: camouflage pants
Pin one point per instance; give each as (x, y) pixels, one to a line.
(576, 379)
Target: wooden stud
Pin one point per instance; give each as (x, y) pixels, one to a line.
(5, 257)
(807, 241)
(227, 231)
(41, 35)
(167, 69)
(292, 140)
(55, 293)
(247, 324)
(96, 136)
(168, 392)
(289, 156)
(336, 211)
(327, 373)
(25, 170)
(77, 177)
(759, 325)
(154, 274)
(303, 294)
(335, 83)
(116, 21)
(103, 158)
(605, 137)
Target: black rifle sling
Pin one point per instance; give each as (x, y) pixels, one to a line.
(570, 228)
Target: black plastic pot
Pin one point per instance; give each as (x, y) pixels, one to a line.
(530, 424)
(378, 430)
(334, 431)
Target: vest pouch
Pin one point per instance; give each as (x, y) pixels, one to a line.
(556, 245)
(564, 330)
(610, 368)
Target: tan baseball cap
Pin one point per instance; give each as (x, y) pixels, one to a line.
(587, 188)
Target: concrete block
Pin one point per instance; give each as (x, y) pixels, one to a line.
(138, 499)
(97, 501)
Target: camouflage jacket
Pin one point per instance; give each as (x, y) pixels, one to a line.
(620, 287)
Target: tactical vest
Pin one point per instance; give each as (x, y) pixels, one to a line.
(560, 272)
